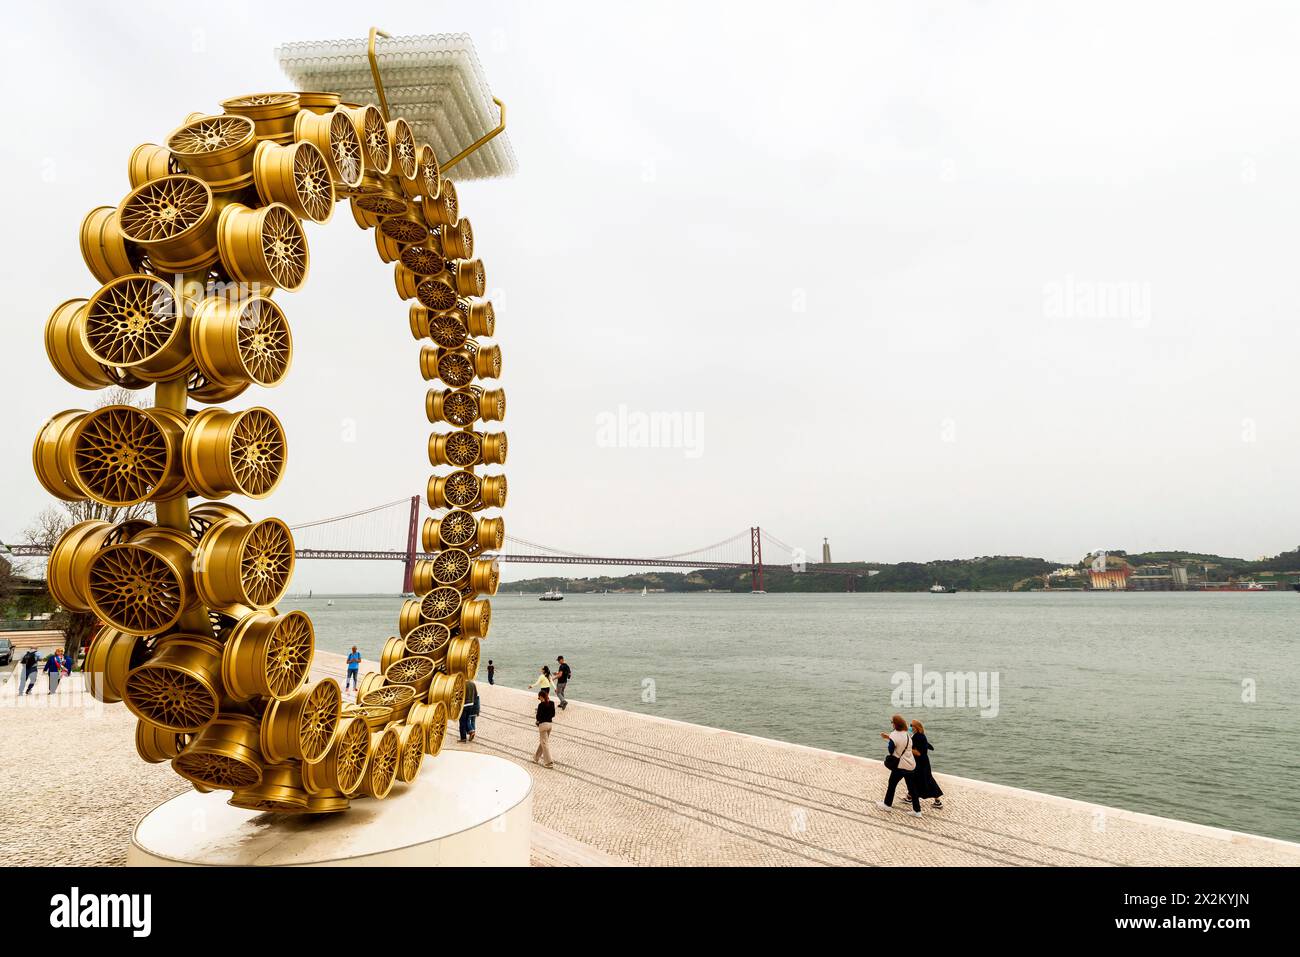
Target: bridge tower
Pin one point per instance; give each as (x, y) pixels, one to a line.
(756, 558)
(412, 537)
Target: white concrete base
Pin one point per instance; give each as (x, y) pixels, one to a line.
(464, 810)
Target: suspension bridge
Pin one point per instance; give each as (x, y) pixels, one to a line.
(377, 533)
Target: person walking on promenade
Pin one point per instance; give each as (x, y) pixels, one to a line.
(543, 681)
(469, 713)
(29, 670)
(901, 763)
(492, 672)
(562, 675)
(923, 780)
(545, 715)
(353, 678)
(56, 666)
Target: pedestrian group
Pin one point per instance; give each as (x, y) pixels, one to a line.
(908, 760)
(546, 681)
(57, 667)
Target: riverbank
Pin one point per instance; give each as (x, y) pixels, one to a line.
(1118, 700)
(652, 791)
(627, 789)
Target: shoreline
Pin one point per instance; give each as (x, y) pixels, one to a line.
(629, 789)
(334, 663)
(723, 741)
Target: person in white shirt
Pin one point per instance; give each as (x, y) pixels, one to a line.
(901, 769)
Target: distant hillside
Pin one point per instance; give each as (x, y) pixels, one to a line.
(994, 573)
(1286, 562)
(986, 573)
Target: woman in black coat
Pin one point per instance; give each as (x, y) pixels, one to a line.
(923, 778)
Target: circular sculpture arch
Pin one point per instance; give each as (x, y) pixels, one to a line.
(190, 263)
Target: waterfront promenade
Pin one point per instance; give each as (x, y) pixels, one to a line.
(627, 789)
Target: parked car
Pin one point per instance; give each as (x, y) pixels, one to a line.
(6, 651)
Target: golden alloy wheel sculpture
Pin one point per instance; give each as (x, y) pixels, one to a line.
(373, 133)
(264, 246)
(411, 757)
(234, 452)
(114, 655)
(334, 135)
(148, 162)
(297, 176)
(416, 671)
(429, 638)
(143, 586)
(241, 343)
(136, 323)
(374, 716)
(117, 454)
(103, 246)
(267, 656)
(369, 680)
(273, 114)
(303, 726)
(173, 220)
(188, 265)
(178, 688)
(243, 564)
(217, 149)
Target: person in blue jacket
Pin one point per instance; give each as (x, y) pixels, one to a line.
(57, 666)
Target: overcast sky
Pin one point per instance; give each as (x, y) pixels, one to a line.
(933, 280)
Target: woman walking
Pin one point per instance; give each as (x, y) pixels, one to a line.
(545, 715)
(543, 682)
(56, 666)
(923, 779)
(901, 763)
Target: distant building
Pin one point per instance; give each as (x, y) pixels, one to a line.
(1065, 573)
(1151, 578)
(1116, 580)
(826, 551)
(1163, 576)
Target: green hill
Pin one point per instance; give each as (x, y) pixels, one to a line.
(989, 573)
(985, 573)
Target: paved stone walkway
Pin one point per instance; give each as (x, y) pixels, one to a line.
(626, 789)
(70, 783)
(650, 791)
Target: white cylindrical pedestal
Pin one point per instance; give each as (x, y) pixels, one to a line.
(464, 810)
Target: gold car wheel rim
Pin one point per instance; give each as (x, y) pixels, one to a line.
(121, 455)
(429, 639)
(135, 590)
(134, 321)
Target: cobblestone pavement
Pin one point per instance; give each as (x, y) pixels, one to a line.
(626, 788)
(656, 792)
(70, 783)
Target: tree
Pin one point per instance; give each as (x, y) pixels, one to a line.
(6, 584)
(52, 521)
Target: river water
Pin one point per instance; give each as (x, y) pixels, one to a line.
(1177, 704)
